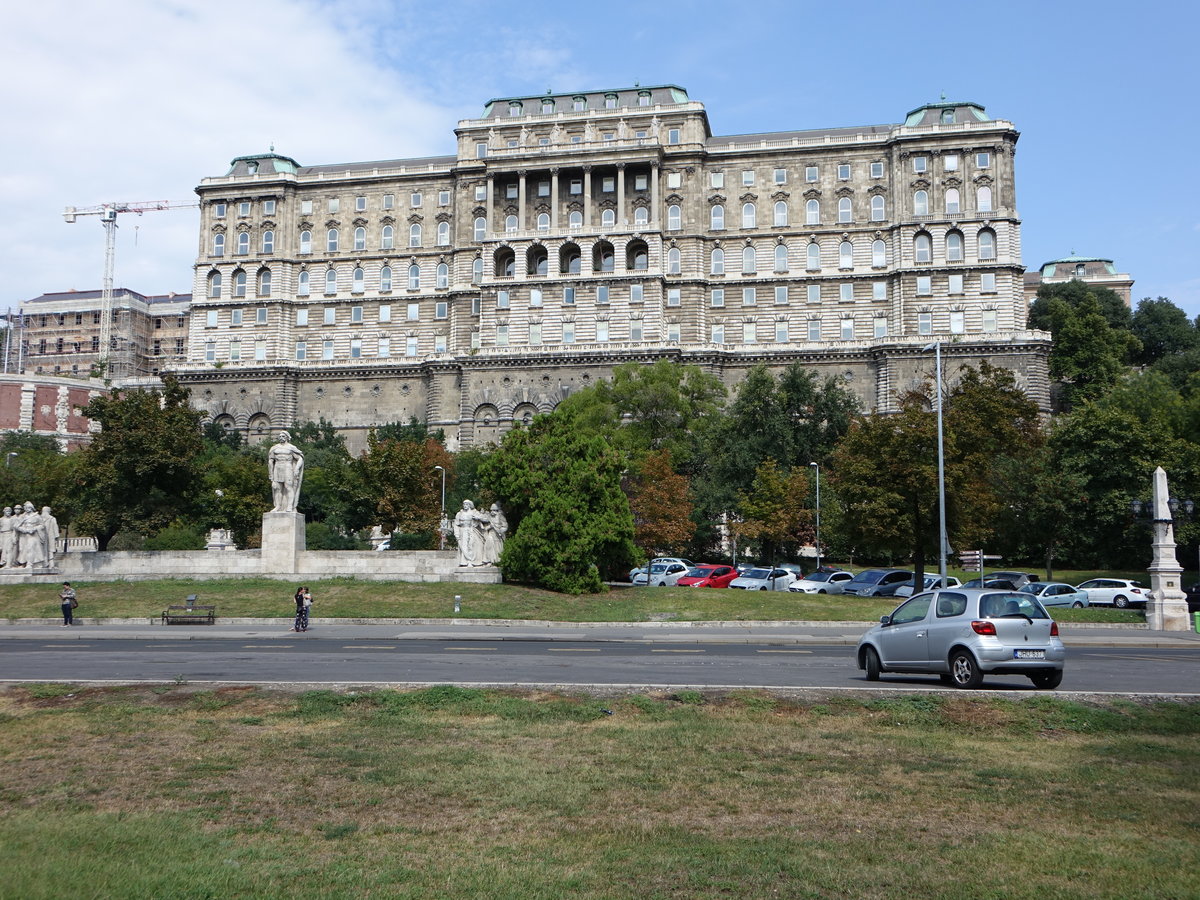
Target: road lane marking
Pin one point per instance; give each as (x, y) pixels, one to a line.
(676, 651)
(367, 647)
(66, 645)
(469, 648)
(574, 649)
(265, 646)
(783, 651)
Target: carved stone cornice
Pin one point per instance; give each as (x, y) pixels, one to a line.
(812, 194)
(716, 199)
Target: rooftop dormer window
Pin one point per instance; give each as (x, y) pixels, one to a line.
(547, 106)
(579, 104)
(514, 108)
(643, 98)
(610, 101)
(947, 117)
(252, 168)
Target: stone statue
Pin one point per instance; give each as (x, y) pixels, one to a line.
(589, 132)
(494, 534)
(29, 536)
(523, 138)
(655, 128)
(556, 134)
(8, 539)
(468, 532)
(622, 130)
(50, 536)
(285, 465)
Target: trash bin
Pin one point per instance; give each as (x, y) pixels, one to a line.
(1196, 621)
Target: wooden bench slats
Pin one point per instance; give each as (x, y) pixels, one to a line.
(191, 612)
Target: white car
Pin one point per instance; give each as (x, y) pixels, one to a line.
(821, 583)
(644, 570)
(764, 579)
(663, 574)
(1118, 592)
(931, 582)
(1055, 593)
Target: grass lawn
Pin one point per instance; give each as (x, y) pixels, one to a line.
(451, 793)
(347, 598)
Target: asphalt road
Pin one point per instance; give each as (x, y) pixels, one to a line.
(303, 659)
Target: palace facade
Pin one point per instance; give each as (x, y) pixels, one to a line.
(571, 233)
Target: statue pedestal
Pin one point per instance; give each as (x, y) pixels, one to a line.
(282, 541)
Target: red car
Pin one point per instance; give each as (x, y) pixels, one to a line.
(708, 575)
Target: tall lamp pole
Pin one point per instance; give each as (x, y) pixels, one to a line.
(936, 347)
(817, 539)
(442, 522)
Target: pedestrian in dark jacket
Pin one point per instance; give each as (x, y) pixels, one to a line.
(67, 596)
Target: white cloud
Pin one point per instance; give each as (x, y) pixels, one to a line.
(140, 99)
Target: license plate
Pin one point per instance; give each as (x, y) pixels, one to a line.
(1029, 654)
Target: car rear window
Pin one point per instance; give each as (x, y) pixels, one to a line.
(1010, 603)
(757, 573)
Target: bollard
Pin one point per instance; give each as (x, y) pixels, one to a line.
(458, 602)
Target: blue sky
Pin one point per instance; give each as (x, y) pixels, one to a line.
(139, 99)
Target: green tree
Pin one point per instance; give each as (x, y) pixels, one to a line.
(1164, 330)
(328, 493)
(235, 491)
(661, 508)
(1043, 514)
(775, 511)
(141, 471)
(569, 520)
(1089, 355)
(1074, 294)
(402, 489)
(34, 469)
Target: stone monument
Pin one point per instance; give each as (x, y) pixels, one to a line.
(480, 535)
(283, 527)
(1166, 609)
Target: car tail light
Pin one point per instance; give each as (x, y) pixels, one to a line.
(983, 627)
(1136, 590)
(1053, 629)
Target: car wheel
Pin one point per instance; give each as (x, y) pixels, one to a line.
(964, 671)
(662, 584)
(1047, 680)
(1078, 604)
(821, 592)
(871, 664)
(763, 588)
(1120, 601)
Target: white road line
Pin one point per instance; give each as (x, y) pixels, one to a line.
(677, 651)
(573, 650)
(265, 646)
(783, 651)
(366, 647)
(470, 648)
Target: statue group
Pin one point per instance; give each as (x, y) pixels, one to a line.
(28, 539)
(480, 534)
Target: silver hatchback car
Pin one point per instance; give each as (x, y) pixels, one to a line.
(962, 634)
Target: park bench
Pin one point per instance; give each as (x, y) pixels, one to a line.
(189, 613)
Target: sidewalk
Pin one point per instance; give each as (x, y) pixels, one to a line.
(783, 633)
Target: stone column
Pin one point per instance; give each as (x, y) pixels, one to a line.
(491, 193)
(522, 225)
(621, 217)
(282, 541)
(1166, 609)
(554, 199)
(587, 196)
(654, 218)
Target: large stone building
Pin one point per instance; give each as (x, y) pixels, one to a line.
(1088, 269)
(570, 233)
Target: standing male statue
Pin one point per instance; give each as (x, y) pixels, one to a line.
(29, 536)
(51, 536)
(285, 465)
(8, 539)
(469, 535)
(493, 536)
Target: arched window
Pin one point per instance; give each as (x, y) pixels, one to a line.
(385, 278)
(243, 244)
(952, 204)
(569, 259)
(264, 282)
(878, 210)
(510, 224)
(331, 240)
(717, 266)
(954, 246)
(443, 234)
(331, 281)
(414, 278)
(359, 280)
(749, 215)
(717, 217)
(845, 255)
(781, 212)
(608, 218)
(268, 242)
(506, 263)
(749, 264)
(360, 238)
(673, 261)
(218, 245)
(878, 254)
(214, 284)
(983, 199)
(987, 244)
(477, 270)
(537, 261)
(443, 276)
(302, 284)
(845, 213)
(922, 251)
(812, 212)
(781, 258)
(480, 228)
(637, 257)
(921, 203)
(603, 258)
(239, 283)
(674, 218)
(575, 219)
(641, 216)
(813, 252)
(306, 242)
(387, 238)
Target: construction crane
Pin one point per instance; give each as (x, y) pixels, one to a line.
(108, 218)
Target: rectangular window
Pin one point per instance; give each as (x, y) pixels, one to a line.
(635, 293)
(244, 208)
(576, 186)
(414, 199)
(443, 198)
(210, 318)
(219, 210)
(673, 332)
(511, 190)
(983, 160)
(260, 316)
(235, 317)
(956, 284)
(356, 315)
(306, 207)
(847, 330)
(674, 179)
(440, 309)
(780, 176)
(989, 320)
(568, 332)
(410, 345)
(535, 297)
(844, 172)
(480, 149)
(950, 162)
(925, 323)
(476, 305)
(602, 293)
(330, 315)
(301, 350)
(672, 296)
(924, 285)
(673, 136)
(355, 348)
(439, 343)
(987, 283)
(717, 333)
(814, 293)
(814, 330)
(301, 317)
(535, 332)
(635, 330)
(384, 347)
(608, 185)
(716, 179)
(749, 333)
(501, 299)
(389, 201)
(749, 296)
(210, 351)
(919, 163)
(268, 207)
(810, 174)
(876, 170)
(880, 326)
(260, 350)
(480, 192)
(568, 296)
(957, 321)
(878, 290)
(781, 332)
(334, 204)
(748, 177)
(360, 204)
(476, 340)
(385, 312)
(781, 295)
(543, 189)
(846, 291)
(718, 297)
(602, 332)
(326, 349)
(414, 312)
(641, 182)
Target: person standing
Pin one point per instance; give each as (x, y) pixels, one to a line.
(307, 607)
(301, 610)
(69, 603)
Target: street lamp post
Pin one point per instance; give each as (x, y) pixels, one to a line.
(8, 458)
(442, 521)
(817, 539)
(936, 346)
